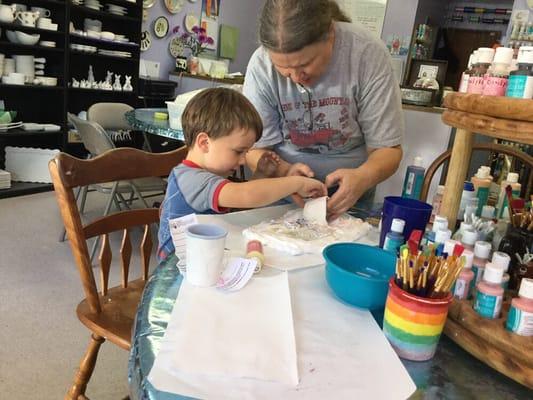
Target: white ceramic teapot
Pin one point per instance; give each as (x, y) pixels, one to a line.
(7, 13)
(28, 18)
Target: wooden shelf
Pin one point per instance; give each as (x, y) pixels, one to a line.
(34, 3)
(105, 92)
(237, 80)
(88, 40)
(103, 14)
(32, 87)
(15, 27)
(17, 46)
(81, 53)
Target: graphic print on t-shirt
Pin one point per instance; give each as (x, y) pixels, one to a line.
(319, 126)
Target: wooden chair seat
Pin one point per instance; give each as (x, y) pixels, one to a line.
(115, 321)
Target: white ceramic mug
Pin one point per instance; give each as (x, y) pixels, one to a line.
(28, 18)
(7, 13)
(205, 254)
(43, 12)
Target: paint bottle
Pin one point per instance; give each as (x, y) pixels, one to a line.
(521, 81)
(254, 251)
(520, 316)
(482, 181)
(489, 293)
(394, 238)
(462, 285)
(449, 245)
(487, 213)
(481, 256)
(512, 179)
(472, 60)
(440, 223)
(485, 55)
(469, 239)
(414, 177)
(498, 73)
(468, 194)
(436, 203)
(502, 260)
(463, 226)
(442, 236)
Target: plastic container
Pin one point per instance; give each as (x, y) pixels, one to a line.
(489, 294)
(512, 179)
(27, 164)
(413, 324)
(359, 274)
(477, 79)
(469, 238)
(521, 81)
(415, 214)
(502, 260)
(414, 177)
(462, 285)
(449, 246)
(498, 74)
(439, 224)
(442, 236)
(394, 238)
(481, 257)
(468, 193)
(465, 76)
(436, 202)
(482, 181)
(462, 227)
(520, 316)
(487, 213)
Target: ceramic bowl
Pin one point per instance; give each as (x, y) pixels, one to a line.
(12, 36)
(24, 38)
(108, 35)
(359, 274)
(7, 116)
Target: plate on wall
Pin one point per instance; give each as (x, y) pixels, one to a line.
(160, 27)
(148, 3)
(176, 47)
(146, 40)
(190, 21)
(174, 6)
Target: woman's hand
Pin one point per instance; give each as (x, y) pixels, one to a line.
(300, 169)
(352, 185)
(311, 188)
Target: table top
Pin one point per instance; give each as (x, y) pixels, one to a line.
(142, 119)
(451, 374)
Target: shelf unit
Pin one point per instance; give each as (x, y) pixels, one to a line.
(50, 104)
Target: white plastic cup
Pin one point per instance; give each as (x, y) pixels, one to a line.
(205, 253)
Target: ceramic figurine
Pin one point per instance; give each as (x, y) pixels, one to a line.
(75, 83)
(94, 85)
(117, 86)
(90, 77)
(127, 86)
(109, 77)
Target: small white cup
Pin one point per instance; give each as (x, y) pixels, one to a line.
(205, 253)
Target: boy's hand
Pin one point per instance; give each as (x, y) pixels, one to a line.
(268, 164)
(300, 169)
(312, 188)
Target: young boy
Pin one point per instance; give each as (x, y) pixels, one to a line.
(220, 125)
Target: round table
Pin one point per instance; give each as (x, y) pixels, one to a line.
(142, 119)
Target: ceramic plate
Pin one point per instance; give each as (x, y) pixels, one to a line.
(176, 47)
(146, 40)
(190, 21)
(148, 3)
(160, 27)
(174, 6)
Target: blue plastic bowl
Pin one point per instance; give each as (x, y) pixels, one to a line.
(359, 274)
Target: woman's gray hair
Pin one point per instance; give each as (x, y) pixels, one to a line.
(286, 26)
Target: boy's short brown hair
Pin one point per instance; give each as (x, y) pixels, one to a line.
(218, 112)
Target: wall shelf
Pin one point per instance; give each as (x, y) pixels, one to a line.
(84, 54)
(17, 46)
(16, 27)
(31, 87)
(103, 14)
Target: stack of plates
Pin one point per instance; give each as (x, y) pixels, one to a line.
(5, 179)
(11, 125)
(115, 53)
(84, 48)
(77, 2)
(121, 38)
(116, 10)
(93, 5)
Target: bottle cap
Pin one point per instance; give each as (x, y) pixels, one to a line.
(487, 212)
(418, 161)
(468, 186)
(469, 237)
(482, 249)
(503, 55)
(440, 189)
(525, 55)
(449, 246)
(442, 236)
(397, 225)
(475, 57)
(469, 258)
(512, 177)
(526, 288)
(439, 224)
(493, 273)
(465, 226)
(501, 259)
(483, 172)
(485, 55)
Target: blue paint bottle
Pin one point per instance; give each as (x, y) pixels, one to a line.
(414, 177)
(394, 239)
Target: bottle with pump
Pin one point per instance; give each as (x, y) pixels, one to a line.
(512, 179)
(477, 79)
(482, 181)
(521, 81)
(462, 285)
(394, 239)
(463, 85)
(520, 316)
(414, 177)
(498, 74)
(489, 293)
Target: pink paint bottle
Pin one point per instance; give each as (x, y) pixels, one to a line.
(520, 317)
(502, 260)
(489, 292)
(481, 256)
(498, 74)
(462, 285)
(477, 79)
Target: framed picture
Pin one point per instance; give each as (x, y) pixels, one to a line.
(430, 68)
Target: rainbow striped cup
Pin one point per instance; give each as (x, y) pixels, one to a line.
(413, 324)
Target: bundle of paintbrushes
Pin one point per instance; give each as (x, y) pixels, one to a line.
(426, 273)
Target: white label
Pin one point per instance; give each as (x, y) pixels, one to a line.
(463, 86)
(410, 184)
(461, 289)
(237, 274)
(177, 231)
(528, 90)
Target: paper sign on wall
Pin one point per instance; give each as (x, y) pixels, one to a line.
(229, 41)
(369, 13)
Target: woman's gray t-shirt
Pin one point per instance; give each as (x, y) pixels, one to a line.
(355, 104)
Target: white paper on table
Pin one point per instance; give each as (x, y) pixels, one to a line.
(249, 333)
(342, 354)
(316, 210)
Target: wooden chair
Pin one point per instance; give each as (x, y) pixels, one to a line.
(109, 312)
(445, 157)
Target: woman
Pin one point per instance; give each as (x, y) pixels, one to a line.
(329, 102)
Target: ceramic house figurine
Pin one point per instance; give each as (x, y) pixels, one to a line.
(127, 86)
(117, 86)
